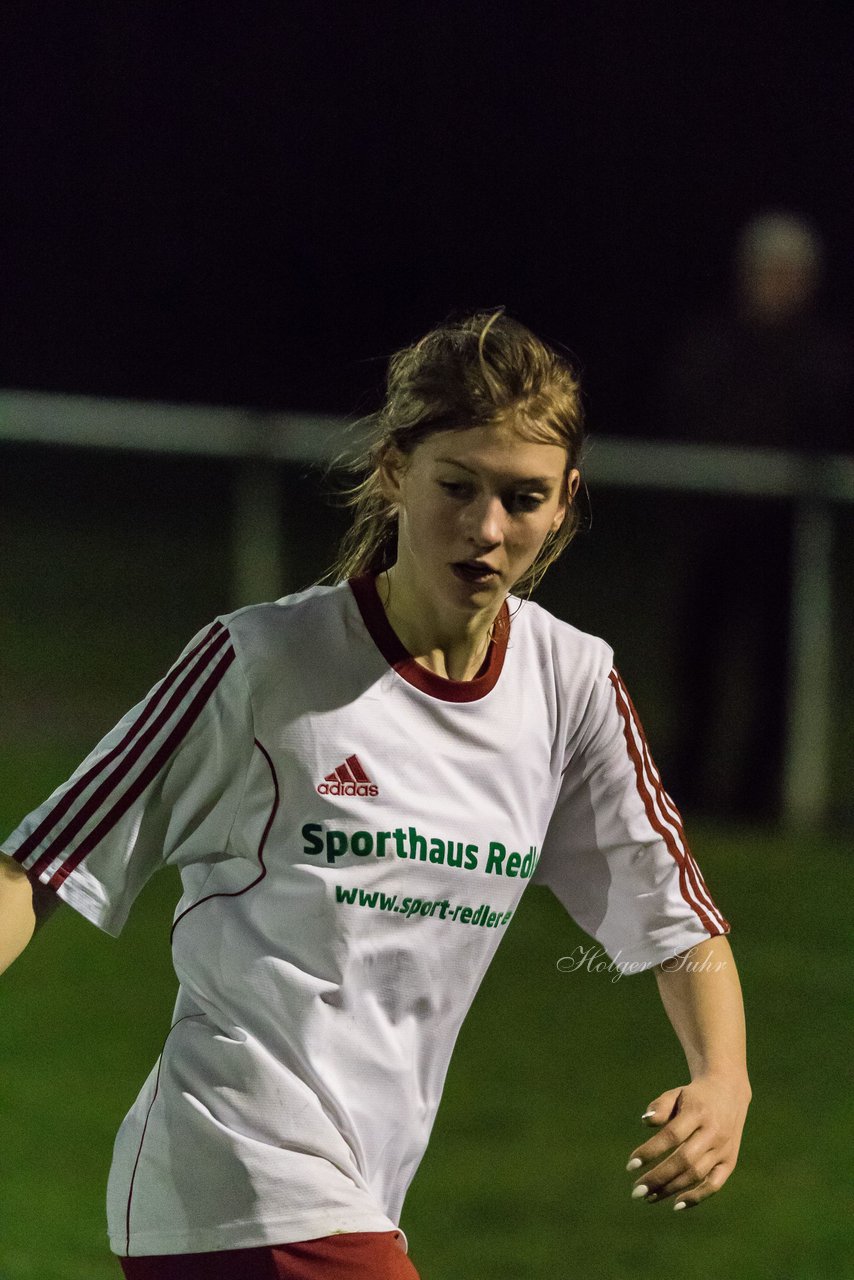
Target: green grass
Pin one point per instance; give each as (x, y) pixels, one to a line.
(525, 1175)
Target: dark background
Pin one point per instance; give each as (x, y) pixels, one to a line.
(255, 204)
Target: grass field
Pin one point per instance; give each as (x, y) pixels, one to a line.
(525, 1173)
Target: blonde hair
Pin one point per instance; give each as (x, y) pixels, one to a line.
(481, 370)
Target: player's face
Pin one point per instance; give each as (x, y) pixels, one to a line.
(474, 509)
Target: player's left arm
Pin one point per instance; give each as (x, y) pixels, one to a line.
(699, 1124)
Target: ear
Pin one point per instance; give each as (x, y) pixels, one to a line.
(573, 480)
(390, 468)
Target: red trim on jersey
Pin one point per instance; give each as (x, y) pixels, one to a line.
(663, 815)
(47, 824)
(671, 814)
(388, 642)
(236, 893)
(109, 785)
(155, 764)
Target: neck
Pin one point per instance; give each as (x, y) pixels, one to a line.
(453, 648)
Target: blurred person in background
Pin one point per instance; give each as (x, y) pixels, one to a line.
(768, 372)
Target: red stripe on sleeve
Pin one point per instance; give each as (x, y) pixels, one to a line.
(648, 791)
(56, 814)
(671, 827)
(126, 763)
(670, 814)
(150, 771)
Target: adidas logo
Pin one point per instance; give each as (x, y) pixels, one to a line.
(349, 779)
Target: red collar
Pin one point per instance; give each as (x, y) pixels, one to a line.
(364, 588)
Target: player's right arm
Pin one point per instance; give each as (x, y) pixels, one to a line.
(22, 908)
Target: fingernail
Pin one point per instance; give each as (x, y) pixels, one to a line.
(640, 1190)
(635, 1163)
(680, 1204)
(647, 1115)
(651, 1199)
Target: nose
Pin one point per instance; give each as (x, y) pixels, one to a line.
(486, 525)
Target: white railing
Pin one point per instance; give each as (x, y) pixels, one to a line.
(260, 561)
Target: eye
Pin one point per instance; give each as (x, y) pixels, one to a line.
(524, 501)
(456, 488)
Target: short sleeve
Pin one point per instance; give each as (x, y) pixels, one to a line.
(615, 853)
(162, 787)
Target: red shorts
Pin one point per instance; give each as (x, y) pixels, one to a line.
(354, 1255)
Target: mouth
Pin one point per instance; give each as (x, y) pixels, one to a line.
(475, 571)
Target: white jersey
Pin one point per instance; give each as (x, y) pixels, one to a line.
(353, 834)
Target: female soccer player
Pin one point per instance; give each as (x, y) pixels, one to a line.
(357, 783)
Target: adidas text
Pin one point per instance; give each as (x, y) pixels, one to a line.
(348, 789)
